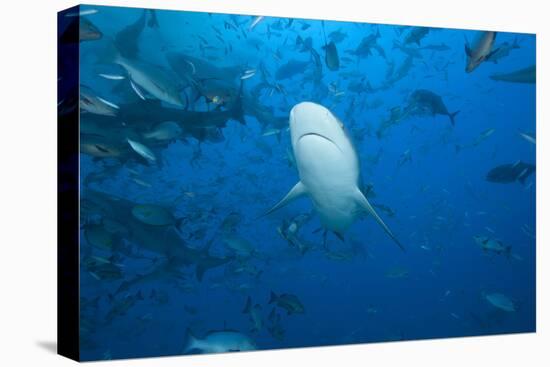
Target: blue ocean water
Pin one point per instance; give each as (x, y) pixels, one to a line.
(161, 200)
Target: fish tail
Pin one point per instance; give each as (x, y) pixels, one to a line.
(452, 117)
(191, 342)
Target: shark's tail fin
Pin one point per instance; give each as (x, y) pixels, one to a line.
(190, 343)
(452, 117)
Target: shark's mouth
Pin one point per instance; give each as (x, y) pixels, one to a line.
(322, 137)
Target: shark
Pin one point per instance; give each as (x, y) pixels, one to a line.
(328, 167)
(165, 241)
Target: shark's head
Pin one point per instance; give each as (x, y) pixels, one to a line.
(312, 122)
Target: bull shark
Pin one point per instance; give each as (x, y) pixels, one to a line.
(480, 51)
(526, 75)
(328, 167)
(118, 212)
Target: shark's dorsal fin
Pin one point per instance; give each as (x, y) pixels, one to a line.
(298, 190)
(365, 205)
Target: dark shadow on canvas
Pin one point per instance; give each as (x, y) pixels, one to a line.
(50, 346)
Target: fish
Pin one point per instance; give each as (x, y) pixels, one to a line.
(509, 173)
(492, 245)
(230, 222)
(248, 74)
(503, 50)
(98, 236)
(478, 140)
(153, 79)
(424, 101)
(367, 44)
(255, 22)
(406, 157)
(142, 150)
(240, 246)
(480, 51)
(219, 342)
(526, 75)
(289, 232)
(154, 215)
(331, 53)
(112, 76)
(416, 35)
(91, 103)
(337, 36)
(289, 302)
(254, 311)
(167, 130)
(500, 301)
(118, 210)
(80, 30)
(328, 167)
(304, 45)
(529, 137)
(331, 56)
(81, 13)
(290, 69)
(409, 51)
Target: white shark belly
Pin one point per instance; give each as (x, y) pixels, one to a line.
(330, 176)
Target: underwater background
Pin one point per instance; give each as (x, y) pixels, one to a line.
(177, 256)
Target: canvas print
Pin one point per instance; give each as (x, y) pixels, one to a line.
(250, 182)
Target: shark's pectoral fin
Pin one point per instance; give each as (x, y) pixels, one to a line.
(298, 190)
(365, 205)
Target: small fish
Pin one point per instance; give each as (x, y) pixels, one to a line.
(142, 183)
(255, 22)
(248, 75)
(112, 76)
(81, 13)
(136, 89)
(142, 150)
(529, 137)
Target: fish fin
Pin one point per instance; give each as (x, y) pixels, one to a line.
(365, 205)
(490, 54)
(452, 117)
(191, 342)
(523, 177)
(340, 236)
(298, 190)
(272, 298)
(247, 305)
(468, 50)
